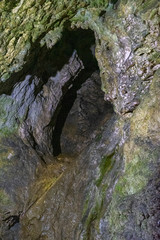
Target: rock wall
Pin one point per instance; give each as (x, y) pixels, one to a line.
(71, 167)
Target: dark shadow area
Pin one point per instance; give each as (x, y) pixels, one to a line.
(12, 220)
(66, 106)
(114, 1)
(83, 42)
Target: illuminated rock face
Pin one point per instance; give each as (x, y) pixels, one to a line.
(76, 162)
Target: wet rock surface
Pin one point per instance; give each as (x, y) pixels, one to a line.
(72, 196)
(73, 166)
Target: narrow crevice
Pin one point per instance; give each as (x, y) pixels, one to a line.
(12, 220)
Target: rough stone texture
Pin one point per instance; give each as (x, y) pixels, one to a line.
(111, 189)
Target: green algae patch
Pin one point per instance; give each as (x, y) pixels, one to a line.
(8, 123)
(136, 169)
(98, 3)
(135, 178)
(146, 120)
(8, 131)
(27, 22)
(95, 213)
(5, 155)
(4, 103)
(132, 182)
(140, 154)
(93, 217)
(106, 165)
(93, 210)
(98, 137)
(4, 198)
(86, 205)
(147, 5)
(117, 218)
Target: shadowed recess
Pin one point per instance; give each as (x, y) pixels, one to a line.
(83, 42)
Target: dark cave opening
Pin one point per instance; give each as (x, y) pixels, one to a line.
(66, 105)
(91, 109)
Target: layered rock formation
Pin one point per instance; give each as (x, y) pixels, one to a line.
(77, 163)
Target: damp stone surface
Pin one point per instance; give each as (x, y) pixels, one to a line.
(79, 120)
